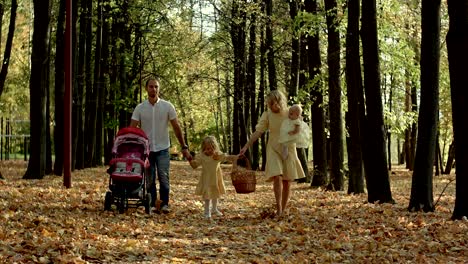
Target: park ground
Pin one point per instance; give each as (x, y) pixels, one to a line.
(43, 222)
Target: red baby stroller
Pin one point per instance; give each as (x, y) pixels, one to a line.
(127, 182)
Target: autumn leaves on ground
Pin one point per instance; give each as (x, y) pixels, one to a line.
(43, 222)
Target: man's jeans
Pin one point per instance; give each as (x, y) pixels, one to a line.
(159, 162)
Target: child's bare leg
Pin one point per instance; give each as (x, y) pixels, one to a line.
(284, 151)
(285, 194)
(207, 209)
(215, 208)
(277, 188)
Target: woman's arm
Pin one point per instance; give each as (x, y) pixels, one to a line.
(256, 135)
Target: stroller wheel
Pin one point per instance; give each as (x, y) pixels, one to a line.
(123, 203)
(108, 201)
(147, 203)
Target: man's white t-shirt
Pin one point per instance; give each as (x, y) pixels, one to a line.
(154, 120)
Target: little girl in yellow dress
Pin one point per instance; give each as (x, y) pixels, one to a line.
(210, 184)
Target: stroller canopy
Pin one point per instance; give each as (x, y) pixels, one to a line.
(131, 135)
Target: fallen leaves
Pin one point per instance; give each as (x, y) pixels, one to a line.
(42, 222)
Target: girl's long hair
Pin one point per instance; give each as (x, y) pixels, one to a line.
(210, 141)
(279, 97)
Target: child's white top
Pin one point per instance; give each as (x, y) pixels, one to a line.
(301, 138)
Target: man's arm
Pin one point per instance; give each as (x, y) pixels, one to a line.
(134, 123)
(180, 137)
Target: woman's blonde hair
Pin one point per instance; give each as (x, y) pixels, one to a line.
(210, 141)
(278, 97)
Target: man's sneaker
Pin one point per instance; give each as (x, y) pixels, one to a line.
(208, 216)
(165, 209)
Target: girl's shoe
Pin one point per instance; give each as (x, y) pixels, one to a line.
(208, 216)
(217, 212)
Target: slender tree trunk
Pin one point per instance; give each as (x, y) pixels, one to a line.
(48, 153)
(355, 99)
(261, 89)
(238, 41)
(102, 83)
(375, 158)
(421, 188)
(457, 41)
(92, 88)
(8, 45)
(334, 84)
(450, 158)
(251, 85)
(320, 174)
(122, 53)
(37, 87)
(294, 65)
(303, 64)
(269, 46)
(59, 89)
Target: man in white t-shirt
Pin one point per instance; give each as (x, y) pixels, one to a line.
(153, 116)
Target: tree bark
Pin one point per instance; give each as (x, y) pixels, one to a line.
(238, 42)
(251, 87)
(421, 186)
(450, 158)
(8, 44)
(269, 46)
(320, 173)
(355, 97)
(334, 84)
(59, 89)
(375, 159)
(37, 87)
(457, 41)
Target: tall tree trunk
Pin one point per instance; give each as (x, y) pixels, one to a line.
(37, 87)
(421, 186)
(79, 91)
(375, 158)
(355, 99)
(269, 46)
(388, 126)
(103, 80)
(59, 89)
(294, 65)
(48, 153)
(407, 143)
(261, 89)
(122, 53)
(334, 84)
(251, 85)
(320, 174)
(91, 87)
(238, 41)
(450, 158)
(8, 45)
(303, 64)
(457, 41)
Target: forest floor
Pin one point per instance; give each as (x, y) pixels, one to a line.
(43, 222)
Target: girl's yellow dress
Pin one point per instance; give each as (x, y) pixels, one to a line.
(290, 168)
(210, 183)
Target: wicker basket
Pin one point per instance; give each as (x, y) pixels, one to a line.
(243, 179)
